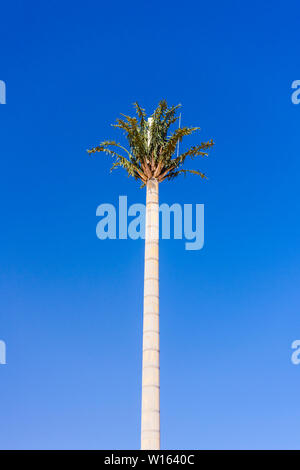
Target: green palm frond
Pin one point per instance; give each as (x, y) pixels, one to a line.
(141, 114)
(174, 174)
(151, 150)
(129, 165)
(172, 141)
(195, 151)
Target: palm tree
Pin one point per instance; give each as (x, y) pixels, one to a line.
(151, 158)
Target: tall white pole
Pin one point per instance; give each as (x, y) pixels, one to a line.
(150, 426)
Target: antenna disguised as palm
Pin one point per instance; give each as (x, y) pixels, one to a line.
(151, 159)
(151, 147)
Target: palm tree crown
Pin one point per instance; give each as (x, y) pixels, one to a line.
(152, 150)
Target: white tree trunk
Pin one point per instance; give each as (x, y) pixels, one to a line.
(150, 431)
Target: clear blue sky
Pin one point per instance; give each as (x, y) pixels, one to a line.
(71, 305)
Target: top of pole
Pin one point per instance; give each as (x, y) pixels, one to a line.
(150, 119)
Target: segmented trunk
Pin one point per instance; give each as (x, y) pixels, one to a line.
(150, 432)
